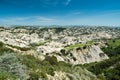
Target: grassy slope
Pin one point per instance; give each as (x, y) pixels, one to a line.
(110, 68)
(113, 47)
(37, 69)
(70, 47)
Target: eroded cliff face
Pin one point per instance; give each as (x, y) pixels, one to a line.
(90, 54)
(83, 55)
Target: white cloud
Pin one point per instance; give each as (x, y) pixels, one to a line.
(30, 20)
(44, 19)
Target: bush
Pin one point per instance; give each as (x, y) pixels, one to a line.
(38, 76)
(6, 76)
(104, 67)
(30, 61)
(51, 70)
(36, 44)
(84, 47)
(52, 60)
(74, 59)
(79, 48)
(9, 63)
(1, 45)
(4, 49)
(62, 51)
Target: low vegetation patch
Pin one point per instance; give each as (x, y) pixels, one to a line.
(11, 68)
(108, 69)
(4, 49)
(113, 47)
(70, 47)
(37, 44)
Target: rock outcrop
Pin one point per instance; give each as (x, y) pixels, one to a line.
(90, 54)
(82, 55)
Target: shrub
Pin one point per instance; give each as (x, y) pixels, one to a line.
(30, 61)
(36, 44)
(6, 76)
(1, 45)
(52, 60)
(62, 51)
(51, 70)
(71, 54)
(78, 48)
(84, 47)
(9, 63)
(4, 49)
(74, 59)
(38, 76)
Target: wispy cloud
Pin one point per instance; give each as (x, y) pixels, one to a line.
(30, 20)
(35, 3)
(67, 2)
(47, 3)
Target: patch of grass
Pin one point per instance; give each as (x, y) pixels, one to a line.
(9, 63)
(70, 47)
(4, 49)
(52, 60)
(101, 67)
(6, 76)
(38, 76)
(30, 61)
(1, 44)
(113, 47)
(114, 43)
(37, 44)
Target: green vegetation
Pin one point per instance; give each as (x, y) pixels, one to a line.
(70, 47)
(57, 29)
(37, 44)
(30, 61)
(10, 66)
(38, 69)
(114, 43)
(4, 49)
(113, 47)
(13, 66)
(6, 76)
(33, 66)
(38, 75)
(99, 67)
(108, 69)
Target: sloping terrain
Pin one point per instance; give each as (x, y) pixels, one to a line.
(109, 69)
(82, 53)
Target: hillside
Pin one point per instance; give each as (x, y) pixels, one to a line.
(75, 53)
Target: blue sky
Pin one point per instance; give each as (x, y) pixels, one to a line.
(60, 12)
